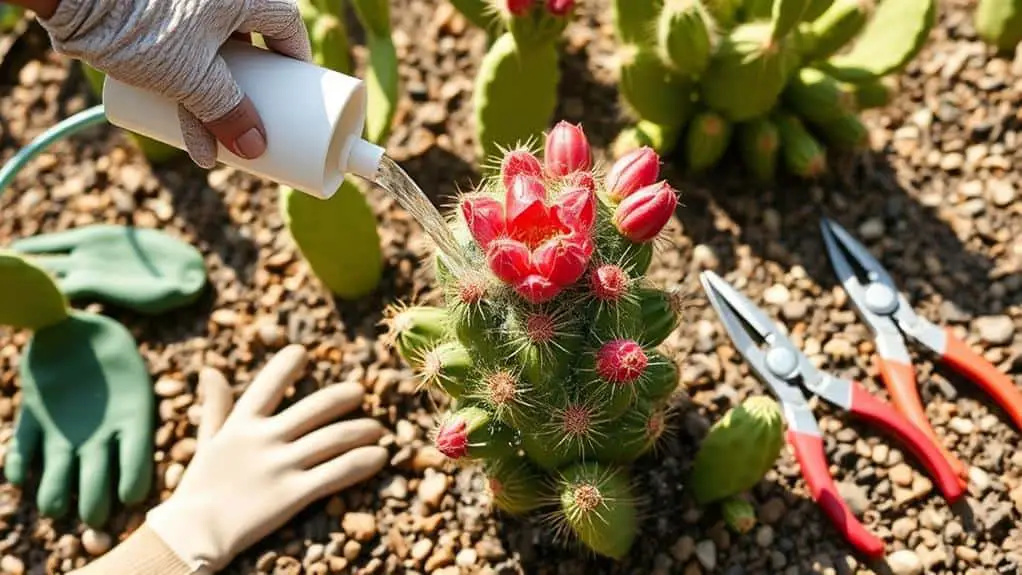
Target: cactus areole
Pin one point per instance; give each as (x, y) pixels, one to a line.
(550, 350)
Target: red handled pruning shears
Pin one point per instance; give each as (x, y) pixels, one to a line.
(779, 364)
(889, 316)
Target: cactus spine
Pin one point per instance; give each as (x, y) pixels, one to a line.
(818, 61)
(550, 347)
(515, 93)
(317, 226)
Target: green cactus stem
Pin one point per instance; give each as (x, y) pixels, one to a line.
(817, 97)
(636, 433)
(723, 12)
(738, 450)
(329, 39)
(645, 133)
(382, 83)
(29, 296)
(471, 432)
(516, 93)
(786, 16)
(684, 40)
(836, 27)
(448, 366)
(845, 132)
(760, 144)
(661, 313)
(802, 154)
(871, 93)
(739, 514)
(747, 57)
(515, 485)
(706, 140)
(651, 90)
(635, 22)
(883, 49)
(999, 23)
(752, 10)
(415, 330)
(480, 13)
(597, 504)
(817, 9)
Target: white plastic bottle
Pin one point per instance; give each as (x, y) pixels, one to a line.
(314, 118)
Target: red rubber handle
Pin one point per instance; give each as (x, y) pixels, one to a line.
(811, 458)
(972, 365)
(900, 379)
(883, 416)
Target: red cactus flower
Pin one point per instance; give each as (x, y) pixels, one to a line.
(452, 438)
(621, 361)
(518, 7)
(580, 180)
(559, 7)
(537, 246)
(567, 150)
(642, 215)
(635, 170)
(519, 162)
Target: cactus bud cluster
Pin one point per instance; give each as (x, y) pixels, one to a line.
(515, 92)
(772, 77)
(549, 346)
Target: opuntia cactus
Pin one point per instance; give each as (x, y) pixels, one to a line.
(515, 93)
(738, 450)
(999, 23)
(702, 75)
(549, 348)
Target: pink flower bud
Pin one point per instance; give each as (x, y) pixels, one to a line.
(576, 209)
(559, 7)
(621, 361)
(508, 259)
(637, 169)
(642, 215)
(518, 7)
(567, 150)
(537, 289)
(485, 218)
(452, 438)
(519, 162)
(561, 261)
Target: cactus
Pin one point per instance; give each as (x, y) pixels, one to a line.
(338, 237)
(750, 61)
(548, 342)
(29, 295)
(999, 23)
(739, 514)
(515, 93)
(738, 450)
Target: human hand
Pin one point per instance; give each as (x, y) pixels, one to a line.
(253, 470)
(171, 47)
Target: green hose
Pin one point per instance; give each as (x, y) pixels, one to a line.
(66, 128)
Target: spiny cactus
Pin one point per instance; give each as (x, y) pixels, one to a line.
(515, 92)
(772, 77)
(548, 343)
(999, 23)
(318, 226)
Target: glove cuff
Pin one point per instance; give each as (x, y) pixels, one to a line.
(142, 553)
(187, 529)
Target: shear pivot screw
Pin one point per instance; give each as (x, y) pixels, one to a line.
(880, 299)
(782, 362)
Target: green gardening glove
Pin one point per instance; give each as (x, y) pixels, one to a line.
(86, 398)
(140, 269)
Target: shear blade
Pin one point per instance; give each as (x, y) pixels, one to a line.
(739, 315)
(845, 251)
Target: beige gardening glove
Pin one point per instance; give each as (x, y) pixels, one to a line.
(253, 470)
(171, 47)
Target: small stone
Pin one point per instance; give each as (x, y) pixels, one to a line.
(427, 457)
(467, 557)
(359, 526)
(270, 333)
(95, 542)
(683, 549)
(961, 426)
(901, 474)
(395, 488)
(352, 549)
(765, 536)
(1002, 193)
(706, 553)
(794, 310)
(432, 489)
(11, 565)
(169, 387)
(903, 527)
(872, 229)
(314, 553)
(776, 294)
(772, 511)
(224, 317)
(979, 480)
(68, 546)
(880, 453)
(855, 496)
(183, 450)
(172, 476)
(905, 562)
(995, 330)
(440, 558)
(421, 549)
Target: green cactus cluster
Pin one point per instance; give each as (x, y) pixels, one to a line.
(999, 23)
(320, 227)
(515, 92)
(779, 82)
(553, 395)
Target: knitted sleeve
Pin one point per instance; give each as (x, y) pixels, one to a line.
(142, 553)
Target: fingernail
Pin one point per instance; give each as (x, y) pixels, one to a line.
(251, 144)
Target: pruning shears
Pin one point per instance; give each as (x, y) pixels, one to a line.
(786, 370)
(890, 317)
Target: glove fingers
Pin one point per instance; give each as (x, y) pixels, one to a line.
(53, 242)
(342, 472)
(216, 403)
(319, 408)
(94, 484)
(199, 142)
(135, 463)
(56, 265)
(53, 498)
(281, 25)
(335, 439)
(267, 389)
(21, 452)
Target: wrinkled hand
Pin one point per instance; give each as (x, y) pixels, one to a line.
(254, 470)
(141, 269)
(171, 47)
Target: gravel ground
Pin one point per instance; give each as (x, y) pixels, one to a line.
(937, 200)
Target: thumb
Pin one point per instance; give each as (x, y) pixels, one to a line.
(217, 401)
(216, 109)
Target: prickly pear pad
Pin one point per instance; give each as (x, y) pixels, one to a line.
(550, 346)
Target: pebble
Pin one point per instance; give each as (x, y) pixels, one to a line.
(467, 557)
(772, 510)
(765, 536)
(11, 565)
(183, 450)
(432, 489)
(794, 310)
(901, 474)
(683, 549)
(961, 426)
(421, 549)
(855, 496)
(905, 562)
(903, 527)
(351, 550)
(996, 329)
(872, 229)
(776, 294)
(706, 553)
(169, 387)
(172, 476)
(95, 542)
(359, 526)
(979, 480)
(1002, 193)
